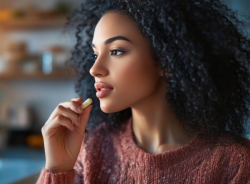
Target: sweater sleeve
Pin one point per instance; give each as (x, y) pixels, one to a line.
(74, 176)
(47, 177)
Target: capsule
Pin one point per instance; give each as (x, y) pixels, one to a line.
(86, 103)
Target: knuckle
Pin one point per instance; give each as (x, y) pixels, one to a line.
(65, 121)
(60, 118)
(74, 103)
(74, 106)
(68, 121)
(60, 107)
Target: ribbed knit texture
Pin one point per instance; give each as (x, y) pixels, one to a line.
(106, 157)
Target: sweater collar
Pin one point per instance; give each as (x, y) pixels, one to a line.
(128, 143)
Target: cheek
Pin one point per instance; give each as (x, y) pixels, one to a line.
(133, 76)
(134, 79)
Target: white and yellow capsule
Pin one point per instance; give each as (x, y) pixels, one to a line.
(86, 103)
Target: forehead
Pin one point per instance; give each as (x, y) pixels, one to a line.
(114, 24)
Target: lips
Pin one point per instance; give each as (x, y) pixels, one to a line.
(103, 93)
(99, 85)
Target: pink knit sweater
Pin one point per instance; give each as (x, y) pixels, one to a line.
(106, 157)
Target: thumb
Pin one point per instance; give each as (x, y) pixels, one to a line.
(84, 118)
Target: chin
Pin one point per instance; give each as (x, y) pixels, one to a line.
(110, 108)
(107, 109)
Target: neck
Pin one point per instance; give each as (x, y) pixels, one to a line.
(155, 126)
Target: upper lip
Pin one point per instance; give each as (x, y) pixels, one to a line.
(99, 85)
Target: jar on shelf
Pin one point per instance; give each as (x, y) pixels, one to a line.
(12, 54)
(54, 59)
(30, 64)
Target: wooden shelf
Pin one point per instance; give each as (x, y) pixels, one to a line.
(37, 75)
(33, 23)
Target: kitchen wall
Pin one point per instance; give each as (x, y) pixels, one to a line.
(43, 95)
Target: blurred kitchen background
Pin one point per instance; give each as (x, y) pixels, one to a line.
(34, 79)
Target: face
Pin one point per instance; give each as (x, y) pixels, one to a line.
(130, 69)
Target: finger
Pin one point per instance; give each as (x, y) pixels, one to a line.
(68, 113)
(72, 105)
(77, 99)
(55, 123)
(84, 118)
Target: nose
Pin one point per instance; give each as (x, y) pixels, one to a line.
(99, 68)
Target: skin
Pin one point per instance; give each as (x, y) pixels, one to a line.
(137, 83)
(62, 140)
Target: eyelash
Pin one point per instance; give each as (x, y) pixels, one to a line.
(93, 55)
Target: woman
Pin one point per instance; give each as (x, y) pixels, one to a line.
(175, 97)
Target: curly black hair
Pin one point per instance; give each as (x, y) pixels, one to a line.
(202, 44)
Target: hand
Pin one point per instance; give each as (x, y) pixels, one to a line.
(62, 140)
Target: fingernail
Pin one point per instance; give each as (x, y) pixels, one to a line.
(80, 109)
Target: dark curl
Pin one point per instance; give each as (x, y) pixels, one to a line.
(202, 44)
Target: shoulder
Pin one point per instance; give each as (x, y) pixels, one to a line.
(240, 153)
(237, 157)
(236, 147)
(228, 153)
(233, 155)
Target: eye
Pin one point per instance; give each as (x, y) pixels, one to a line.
(116, 51)
(94, 56)
(113, 52)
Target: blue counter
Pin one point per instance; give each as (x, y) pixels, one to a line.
(18, 162)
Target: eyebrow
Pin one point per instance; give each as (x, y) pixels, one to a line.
(110, 40)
